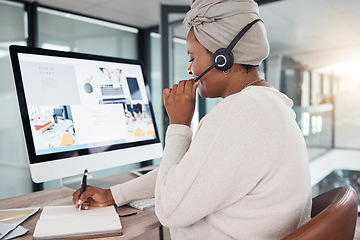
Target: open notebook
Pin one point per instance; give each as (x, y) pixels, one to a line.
(67, 222)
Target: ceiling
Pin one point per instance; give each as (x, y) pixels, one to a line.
(316, 33)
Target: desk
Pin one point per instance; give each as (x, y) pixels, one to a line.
(52, 136)
(133, 226)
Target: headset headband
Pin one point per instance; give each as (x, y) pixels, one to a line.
(240, 35)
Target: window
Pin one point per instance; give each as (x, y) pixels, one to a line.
(69, 32)
(14, 169)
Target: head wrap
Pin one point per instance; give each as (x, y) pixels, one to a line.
(217, 22)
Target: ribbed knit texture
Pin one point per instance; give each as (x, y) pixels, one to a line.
(245, 174)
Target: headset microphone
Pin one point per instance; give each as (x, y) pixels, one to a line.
(206, 71)
(223, 59)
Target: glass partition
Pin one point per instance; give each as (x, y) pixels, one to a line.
(156, 84)
(14, 170)
(329, 88)
(69, 32)
(347, 110)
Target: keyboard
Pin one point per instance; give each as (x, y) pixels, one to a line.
(143, 203)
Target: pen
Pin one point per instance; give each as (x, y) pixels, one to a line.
(83, 184)
(129, 214)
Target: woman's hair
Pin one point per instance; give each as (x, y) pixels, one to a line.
(248, 67)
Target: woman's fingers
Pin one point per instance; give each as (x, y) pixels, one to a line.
(179, 102)
(174, 90)
(181, 86)
(189, 87)
(167, 92)
(76, 195)
(84, 198)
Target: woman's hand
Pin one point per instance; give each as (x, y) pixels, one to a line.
(93, 196)
(179, 102)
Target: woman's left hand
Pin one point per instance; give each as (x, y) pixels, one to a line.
(180, 100)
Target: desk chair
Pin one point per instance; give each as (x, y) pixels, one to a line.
(333, 216)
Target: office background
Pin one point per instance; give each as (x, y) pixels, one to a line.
(314, 59)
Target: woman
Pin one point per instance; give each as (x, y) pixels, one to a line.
(245, 173)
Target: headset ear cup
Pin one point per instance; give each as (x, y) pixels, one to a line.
(223, 60)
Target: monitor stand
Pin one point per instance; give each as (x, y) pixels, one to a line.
(74, 182)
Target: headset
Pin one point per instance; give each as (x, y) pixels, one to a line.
(223, 58)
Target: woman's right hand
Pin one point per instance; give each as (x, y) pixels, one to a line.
(93, 196)
(180, 100)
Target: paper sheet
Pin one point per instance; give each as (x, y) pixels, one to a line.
(5, 229)
(17, 232)
(16, 215)
(10, 219)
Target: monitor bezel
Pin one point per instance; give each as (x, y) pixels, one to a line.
(33, 158)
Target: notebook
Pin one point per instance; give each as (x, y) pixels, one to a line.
(67, 222)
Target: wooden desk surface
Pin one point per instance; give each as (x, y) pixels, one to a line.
(133, 226)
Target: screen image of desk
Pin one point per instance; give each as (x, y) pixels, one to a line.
(82, 111)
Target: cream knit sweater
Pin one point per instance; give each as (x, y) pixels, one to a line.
(244, 175)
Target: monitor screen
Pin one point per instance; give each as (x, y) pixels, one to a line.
(82, 111)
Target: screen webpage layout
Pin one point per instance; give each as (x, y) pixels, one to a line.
(81, 104)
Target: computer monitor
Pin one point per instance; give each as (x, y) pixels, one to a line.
(82, 111)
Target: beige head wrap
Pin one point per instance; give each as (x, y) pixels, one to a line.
(217, 22)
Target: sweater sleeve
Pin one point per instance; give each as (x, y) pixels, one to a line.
(142, 187)
(213, 172)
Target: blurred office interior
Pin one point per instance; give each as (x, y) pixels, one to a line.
(314, 59)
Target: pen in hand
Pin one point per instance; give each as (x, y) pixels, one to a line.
(83, 185)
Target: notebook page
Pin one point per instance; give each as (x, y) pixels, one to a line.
(50, 212)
